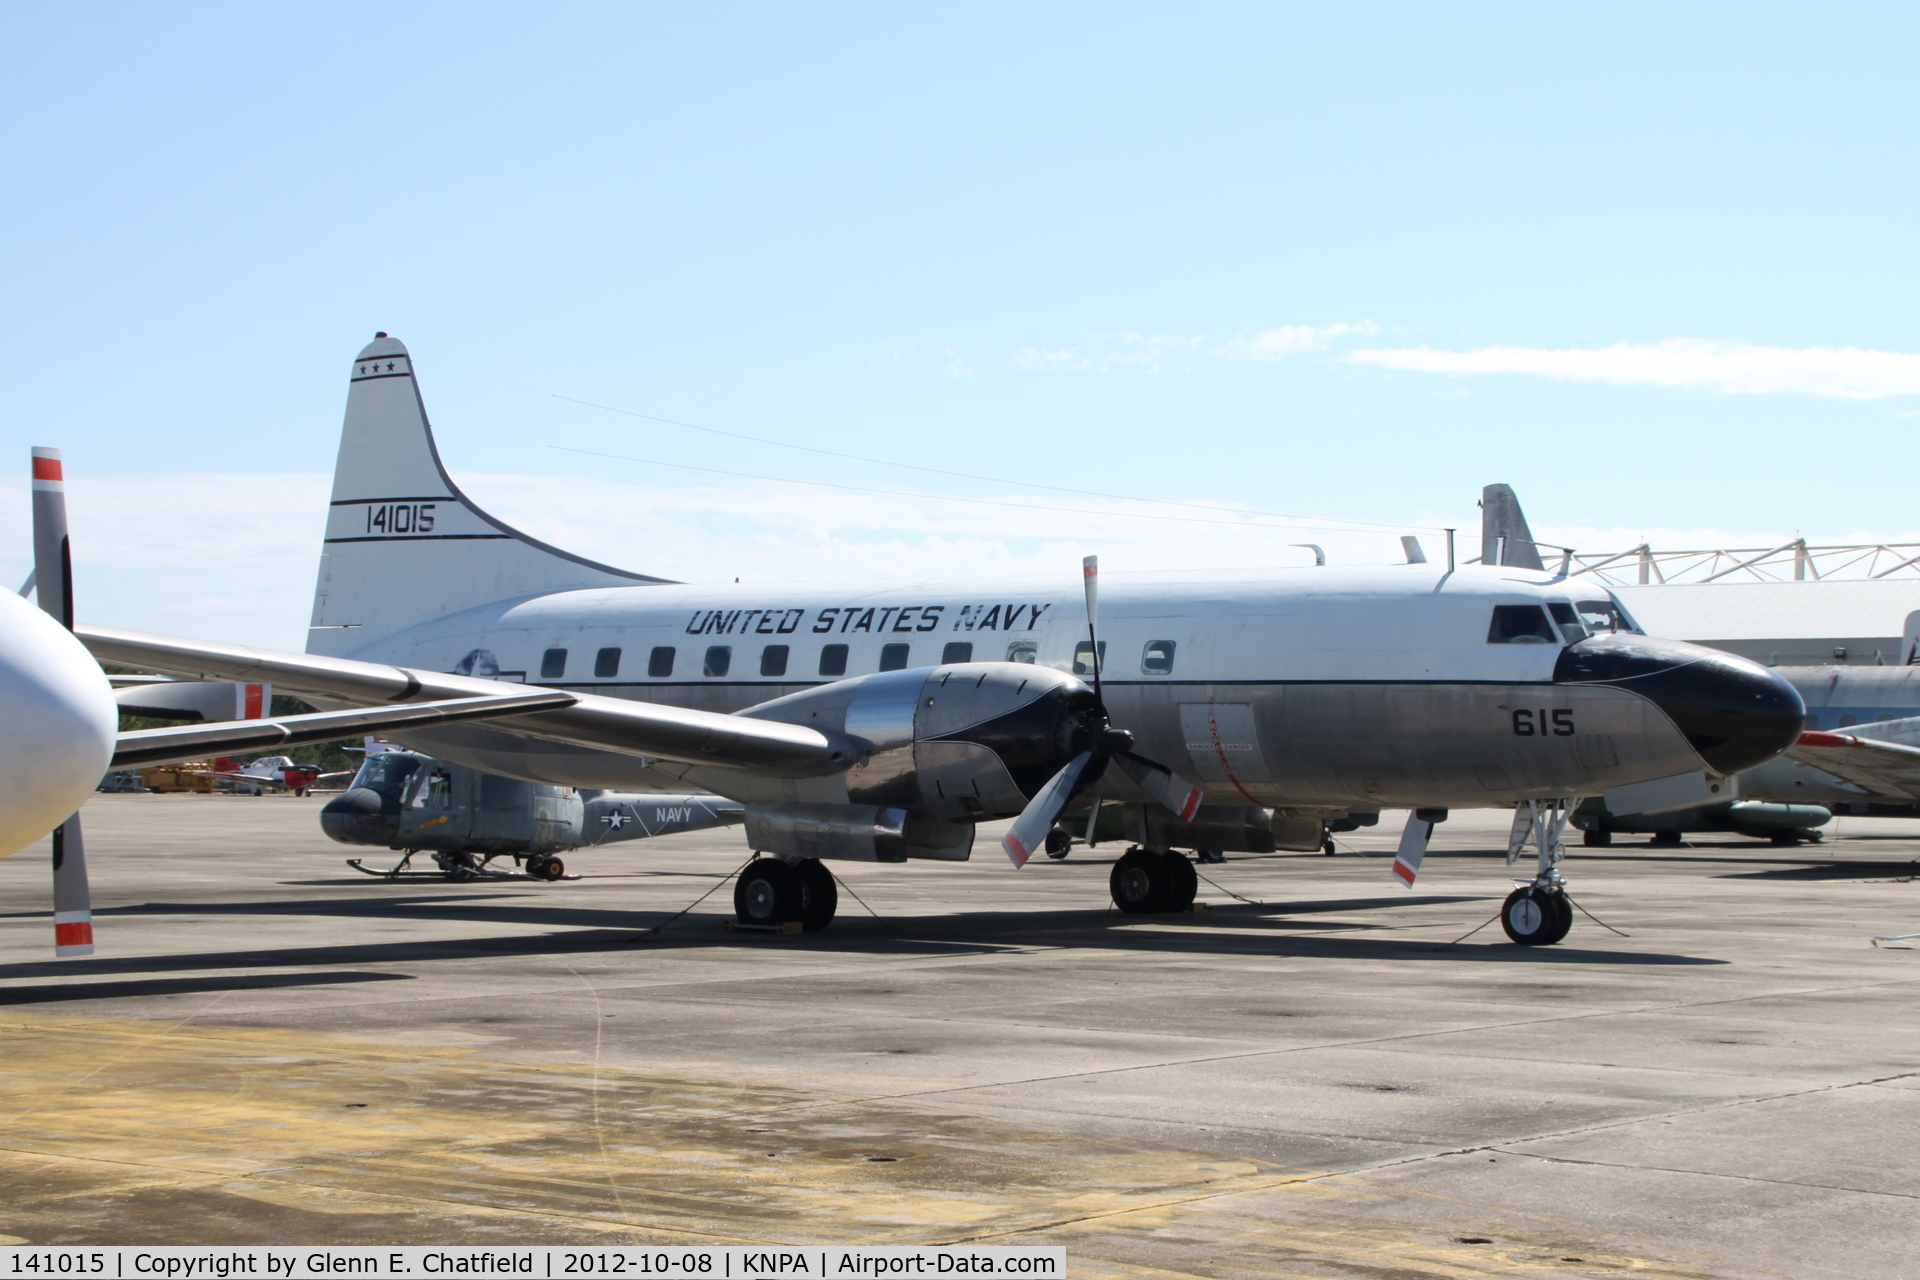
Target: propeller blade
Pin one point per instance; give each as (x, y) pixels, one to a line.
(72, 901)
(1090, 571)
(1029, 831)
(1162, 783)
(52, 582)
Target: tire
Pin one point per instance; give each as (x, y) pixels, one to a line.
(1327, 847)
(1535, 917)
(546, 867)
(768, 892)
(1182, 882)
(1665, 839)
(1209, 857)
(1596, 839)
(1785, 839)
(1140, 882)
(820, 896)
(1058, 843)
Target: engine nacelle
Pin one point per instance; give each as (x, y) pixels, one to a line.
(1225, 829)
(856, 832)
(964, 743)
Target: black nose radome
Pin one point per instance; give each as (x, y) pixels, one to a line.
(1735, 713)
(361, 816)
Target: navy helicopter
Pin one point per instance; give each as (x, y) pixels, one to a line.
(464, 818)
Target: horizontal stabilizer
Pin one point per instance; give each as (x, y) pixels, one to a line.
(191, 742)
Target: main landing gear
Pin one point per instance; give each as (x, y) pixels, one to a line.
(1539, 914)
(1145, 882)
(772, 892)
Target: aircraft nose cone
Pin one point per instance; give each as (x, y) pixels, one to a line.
(1735, 713)
(360, 816)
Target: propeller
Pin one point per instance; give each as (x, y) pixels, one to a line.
(53, 586)
(1111, 746)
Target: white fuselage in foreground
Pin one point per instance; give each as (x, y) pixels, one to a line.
(1353, 689)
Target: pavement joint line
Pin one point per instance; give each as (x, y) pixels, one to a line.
(1557, 1222)
(1634, 1122)
(1701, 1173)
(1393, 1039)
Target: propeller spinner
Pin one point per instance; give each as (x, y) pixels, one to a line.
(1111, 746)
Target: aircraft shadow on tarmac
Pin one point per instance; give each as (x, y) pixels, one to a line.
(581, 930)
(151, 988)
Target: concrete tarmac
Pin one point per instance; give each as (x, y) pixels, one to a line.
(1312, 1078)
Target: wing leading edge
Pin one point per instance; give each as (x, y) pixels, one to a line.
(589, 720)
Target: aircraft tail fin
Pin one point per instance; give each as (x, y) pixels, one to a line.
(403, 544)
(1504, 536)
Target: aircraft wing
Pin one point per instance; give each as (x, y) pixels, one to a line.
(589, 719)
(190, 742)
(1884, 768)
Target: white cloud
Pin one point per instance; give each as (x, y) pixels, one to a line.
(1294, 339)
(1129, 349)
(1731, 368)
(1051, 359)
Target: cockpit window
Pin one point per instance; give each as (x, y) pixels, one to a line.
(1572, 630)
(1521, 624)
(386, 771)
(1605, 615)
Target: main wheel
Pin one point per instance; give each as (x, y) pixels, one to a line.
(1209, 857)
(544, 866)
(820, 897)
(1786, 839)
(768, 892)
(1182, 882)
(1536, 917)
(1140, 882)
(1597, 839)
(1058, 842)
(1665, 839)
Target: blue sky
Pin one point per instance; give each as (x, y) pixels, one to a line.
(1652, 265)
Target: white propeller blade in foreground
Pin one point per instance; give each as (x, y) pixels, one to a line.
(53, 586)
(1029, 831)
(1181, 797)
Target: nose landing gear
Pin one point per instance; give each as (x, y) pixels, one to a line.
(1539, 914)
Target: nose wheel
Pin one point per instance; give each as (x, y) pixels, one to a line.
(1536, 917)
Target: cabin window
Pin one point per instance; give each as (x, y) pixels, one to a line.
(958, 651)
(553, 664)
(1023, 651)
(833, 660)
(606, 663)
(1157, 658)
(1083, 657)
(893, 657)
(719, 660)
(1848, 721)
(773, 660)
(660, 661)
(1521, 624)
(1572, 630)
(435, 791)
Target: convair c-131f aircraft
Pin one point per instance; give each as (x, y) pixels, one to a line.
(883, 721)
